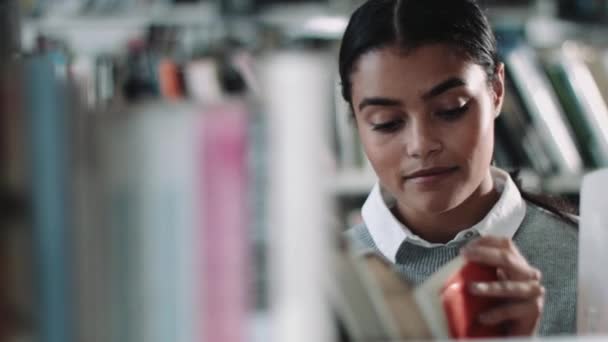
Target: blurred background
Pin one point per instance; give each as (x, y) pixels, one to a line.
(179, 170)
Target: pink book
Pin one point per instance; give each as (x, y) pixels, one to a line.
(225, 223)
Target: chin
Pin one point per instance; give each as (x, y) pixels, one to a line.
(435, 204)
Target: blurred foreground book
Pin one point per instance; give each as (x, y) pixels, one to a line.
(373, 303)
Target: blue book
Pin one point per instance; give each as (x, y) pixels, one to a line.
(45, 104)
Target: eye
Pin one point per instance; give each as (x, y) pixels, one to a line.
(388, 127)
(454, 113)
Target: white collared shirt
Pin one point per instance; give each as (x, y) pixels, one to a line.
(389, 233)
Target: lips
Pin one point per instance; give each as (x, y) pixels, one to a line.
(430, 173)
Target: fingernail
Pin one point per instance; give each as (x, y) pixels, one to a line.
(479, 287)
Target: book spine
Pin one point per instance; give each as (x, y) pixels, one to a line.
(592, 298)
(118, 163)
(89, 241)
(225, 230)
(10, 28)
(168, 220)
(45, 97)
(170, 86)
(509, 123)
(546, 115)
(202, 82)
(187, 178)
(258, 199)
(572, 108)
(593, 106)
(347, 151)
(299, 234)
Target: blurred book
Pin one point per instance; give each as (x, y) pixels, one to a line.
(583, 10)
(359, 303)
(596, 59)
(349, 154)
(170, 82)
(46, 106)
(13, 132)
(592, 297)
(374, 303)
(544, 110)
(225, 230)
(518, 137)
(16, 285)
(178, 222)
(11, 30)
(583, 102)
(298, 192)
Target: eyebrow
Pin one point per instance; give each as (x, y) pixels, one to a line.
(378, 101)
(437, 90)
(444, 86)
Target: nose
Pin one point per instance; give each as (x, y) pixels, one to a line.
(422, 140)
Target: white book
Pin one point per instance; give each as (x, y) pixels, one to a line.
(376, 304)
(358, 301)
(545, 111)
(592, 295)
(595, 60)
(296, 90)
(592, 103)
(167, 188)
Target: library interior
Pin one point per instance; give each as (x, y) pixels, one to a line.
(277, 225)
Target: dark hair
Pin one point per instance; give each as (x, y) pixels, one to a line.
(559, 206)
(409, 24)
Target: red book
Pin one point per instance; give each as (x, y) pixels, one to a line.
(170, 85)
(449, 309)
(462, 308)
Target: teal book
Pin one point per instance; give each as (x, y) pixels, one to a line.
(45, 103)
(574, 113)
(587, 109)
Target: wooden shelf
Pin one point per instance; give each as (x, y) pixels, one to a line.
(354, 182)
(199, 14)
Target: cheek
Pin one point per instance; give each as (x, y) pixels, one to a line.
(383, 153)
(476, 140)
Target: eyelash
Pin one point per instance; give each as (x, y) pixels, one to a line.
(453, 114)
(448, 115)
(388, 127)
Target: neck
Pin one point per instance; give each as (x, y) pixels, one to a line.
(443, 227)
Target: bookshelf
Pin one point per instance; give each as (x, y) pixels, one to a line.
(204, 13)
(97, 34)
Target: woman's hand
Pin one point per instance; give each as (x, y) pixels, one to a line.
(519, 285)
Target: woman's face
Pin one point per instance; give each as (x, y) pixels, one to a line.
(426, 122)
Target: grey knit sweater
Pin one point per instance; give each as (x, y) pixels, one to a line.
(545, 241)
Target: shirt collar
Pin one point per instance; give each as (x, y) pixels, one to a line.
(389, 233)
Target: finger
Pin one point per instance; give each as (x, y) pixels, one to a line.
(500, 273)
(492, 241)
(508, 289)
(497, 242)
(528, 311)
(514, 265)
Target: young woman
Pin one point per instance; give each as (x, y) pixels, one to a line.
(425, 86)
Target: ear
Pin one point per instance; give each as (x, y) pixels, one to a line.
(498, 88)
